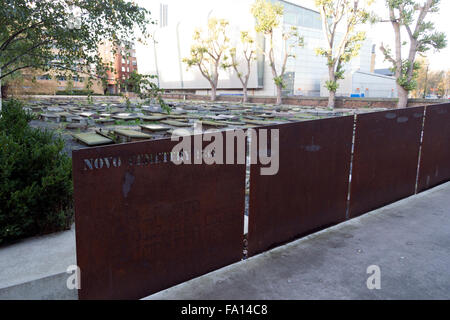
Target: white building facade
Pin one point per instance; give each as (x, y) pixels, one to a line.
(172, 39)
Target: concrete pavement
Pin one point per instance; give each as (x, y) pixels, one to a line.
(409, 240)
(35, 268)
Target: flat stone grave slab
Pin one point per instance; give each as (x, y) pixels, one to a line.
(115, 110)
(50, 117)
(257, 122)
(267, 115)
(92, 139)
(75, 119)
(254, 118)
(213, 124)
(89, 115)
(180, 133)
(64, 115)
(125, 116)
(36, 108)
(157, 114)
(178, 112)
(152, 118)
(175, 123)
(104, 120)
(233, 123)
(126, 135)
(55, 109)
(227, 117)
(153, 128)
(194, 116)
(178, 118)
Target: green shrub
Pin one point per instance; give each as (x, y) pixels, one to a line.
(35, 178)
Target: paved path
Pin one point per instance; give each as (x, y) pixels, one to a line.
(409, 240)
(35, 268)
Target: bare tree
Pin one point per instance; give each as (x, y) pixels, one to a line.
(422, 36)
(208, 51)
(249, 54)
(268, 16)
(350, 14)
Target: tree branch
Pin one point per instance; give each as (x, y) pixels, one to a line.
(13, 36)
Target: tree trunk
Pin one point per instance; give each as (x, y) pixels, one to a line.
(331, 99)
(331, 94)
(213, 93)
(402, 97)
(245, 99)
(0, 92)
(279, 90)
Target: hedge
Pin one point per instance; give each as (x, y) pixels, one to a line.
(35, 178)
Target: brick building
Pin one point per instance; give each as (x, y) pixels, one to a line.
(32, 81)
(123, 61)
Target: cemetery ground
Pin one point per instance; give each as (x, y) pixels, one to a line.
(83, 124)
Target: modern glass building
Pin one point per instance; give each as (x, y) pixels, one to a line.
(305, 74)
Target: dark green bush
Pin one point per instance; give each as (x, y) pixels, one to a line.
(35, 178)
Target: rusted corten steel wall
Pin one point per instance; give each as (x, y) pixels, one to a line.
(310, 190)
(435, 156)
(385, 158)
(144, 224)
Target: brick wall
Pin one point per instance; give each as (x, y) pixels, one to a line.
(313, 101)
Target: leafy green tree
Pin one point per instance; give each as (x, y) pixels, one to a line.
(334, 14)
(268, 16)
(422, 35)
(249, 54)
(208, 53)
(145, 87)
(64, 35)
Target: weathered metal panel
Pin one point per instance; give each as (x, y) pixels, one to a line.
(435, 156)
(310, 190)
(144, 224)
(385, 158)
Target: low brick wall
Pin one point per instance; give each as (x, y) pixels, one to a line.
(56, 99)
(297, 101)
(312, 101)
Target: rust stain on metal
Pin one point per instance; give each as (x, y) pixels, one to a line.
(309, 192)
(385, 158)
(435, 156)
(144, 224)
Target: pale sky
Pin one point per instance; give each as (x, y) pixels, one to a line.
(381, 32)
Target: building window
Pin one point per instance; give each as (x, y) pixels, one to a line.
(123, 69)
(163, 18)
(43, 77)
(78, 79)
(298, 16)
